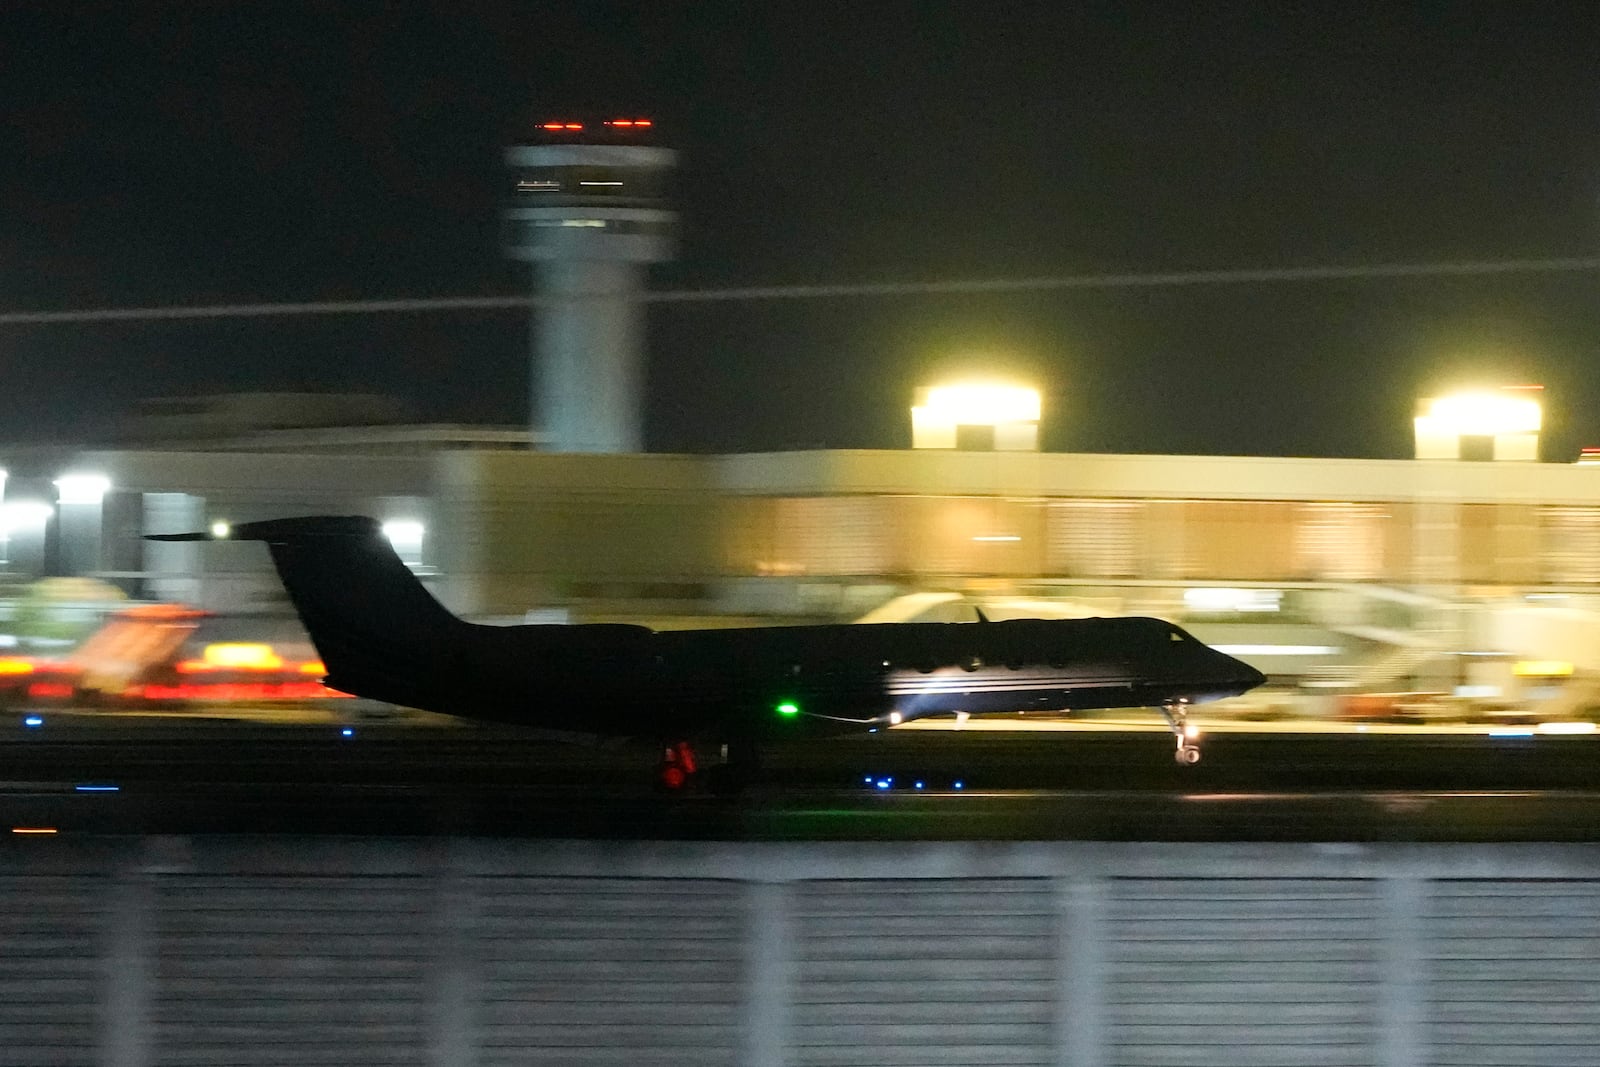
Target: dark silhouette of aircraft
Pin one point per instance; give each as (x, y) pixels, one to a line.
(383, 636)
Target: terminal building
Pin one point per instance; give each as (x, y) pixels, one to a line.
(1325, 568)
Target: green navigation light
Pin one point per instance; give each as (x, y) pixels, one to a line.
(788, 707)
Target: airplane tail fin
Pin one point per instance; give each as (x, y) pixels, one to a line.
(371, 620)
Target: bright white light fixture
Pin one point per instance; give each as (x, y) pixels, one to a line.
(1509, 416)
(1484, 414)
(82, 488)
(404, 534)
(19, 515)
(980, 404)
(221, 530)
(1012, 411)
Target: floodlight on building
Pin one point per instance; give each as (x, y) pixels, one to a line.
(1511, 419)
(82, 488)
(18, 516)
(1010, 412)
(22, 534)
(404, 533)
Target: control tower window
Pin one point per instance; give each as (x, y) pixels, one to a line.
(620, 183)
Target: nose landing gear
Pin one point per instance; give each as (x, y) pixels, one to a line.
(1187, 734)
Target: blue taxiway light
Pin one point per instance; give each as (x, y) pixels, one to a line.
(919, 785)
(957, 784)
(885, 783)
(98, 788)
(33, 720)
(348, 731)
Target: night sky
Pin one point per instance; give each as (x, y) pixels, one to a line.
(212, 152)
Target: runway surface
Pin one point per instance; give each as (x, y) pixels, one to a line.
(96, 774)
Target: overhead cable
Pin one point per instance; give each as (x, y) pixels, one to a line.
(1144, 280)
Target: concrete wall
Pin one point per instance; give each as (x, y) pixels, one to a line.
(133, 952)
(510, 531)
(522, 530)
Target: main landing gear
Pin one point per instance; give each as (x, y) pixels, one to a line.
(1187, 734)
(677, 767)
(680, 769)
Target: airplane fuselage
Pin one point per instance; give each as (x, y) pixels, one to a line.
(773, 681)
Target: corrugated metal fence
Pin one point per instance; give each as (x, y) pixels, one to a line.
(241, 951)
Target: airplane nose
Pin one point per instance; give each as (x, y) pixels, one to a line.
(1245, 676)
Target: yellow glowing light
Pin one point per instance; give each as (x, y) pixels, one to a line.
(15, 666)
(1480, 414)
(977, 404)
(1541, 668)
(242, 656)
(33, 829)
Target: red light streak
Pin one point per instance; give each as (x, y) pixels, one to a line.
(239, 691)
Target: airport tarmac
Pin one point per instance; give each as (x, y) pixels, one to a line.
(107, 774)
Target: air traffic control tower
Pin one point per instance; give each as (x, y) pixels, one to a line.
(588, 209)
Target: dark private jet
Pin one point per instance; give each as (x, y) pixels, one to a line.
(383, 636)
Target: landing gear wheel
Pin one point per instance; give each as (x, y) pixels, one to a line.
(677, 766)
(1177, 716)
